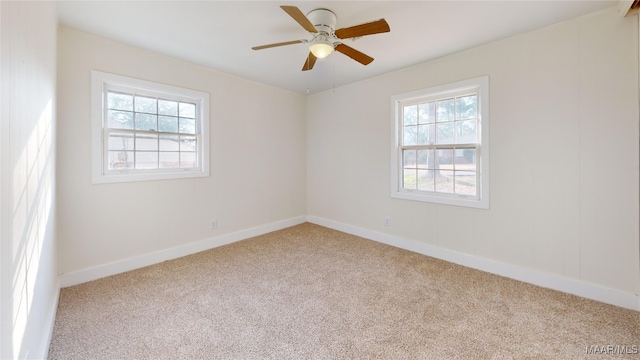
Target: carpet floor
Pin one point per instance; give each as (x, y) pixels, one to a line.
(308, 292)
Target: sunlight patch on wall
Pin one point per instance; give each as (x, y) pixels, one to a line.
(32, 189)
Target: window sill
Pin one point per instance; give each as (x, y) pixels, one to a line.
(131, 176)
(472, 203)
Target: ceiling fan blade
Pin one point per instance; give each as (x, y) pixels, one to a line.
(374, 27)
(356, 55)
(277, 44)
(308, 64)
(298, 16)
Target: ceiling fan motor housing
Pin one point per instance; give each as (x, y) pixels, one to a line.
(323, 19)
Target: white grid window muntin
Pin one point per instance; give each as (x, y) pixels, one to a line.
(149, 133)
(146, 131)
(440, 145)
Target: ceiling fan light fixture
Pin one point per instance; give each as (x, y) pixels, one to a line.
(321, 49)
(321, 24)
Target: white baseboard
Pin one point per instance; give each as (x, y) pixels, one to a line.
(571, 286)
(51, 322)
(117, 267)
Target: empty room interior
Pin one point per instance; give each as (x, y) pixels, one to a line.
(319, 179)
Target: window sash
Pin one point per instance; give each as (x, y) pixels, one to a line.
(107, 170)
(476, 170)
(434, 125)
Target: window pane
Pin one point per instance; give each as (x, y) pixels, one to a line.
(168, 124)
(410, 136)
(120, 119)
(409, 159)
(146, 160)
(188, 143)
(466, 132)
(444, 133)
(426, 113)
(444, 181)
(409, 180)
(445, 110)
(426, 134)
(410, 115)
(169, 160)
(467, 107)
(188, 160)
(146, 142)
(169, 143)
(167, 107)
(426, 180)
(444, 159)
(466, 159)
(465, 182)
(146, 122)
(426, 159)
(120, 141)
(187, 110)
(146, 104)
(120, 160)
(187, 126)
(120, 101)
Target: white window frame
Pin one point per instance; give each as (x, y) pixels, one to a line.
(101, 83)
(480, 85)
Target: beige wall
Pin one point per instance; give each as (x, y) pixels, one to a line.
(564, 157)
(564, 154)
(257, 157)
(29, 281)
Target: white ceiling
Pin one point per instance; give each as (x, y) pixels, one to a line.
(220, 34)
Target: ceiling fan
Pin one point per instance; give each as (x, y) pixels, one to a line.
(320, 23)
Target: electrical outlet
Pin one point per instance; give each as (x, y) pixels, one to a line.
(214, 224)
(387, 221)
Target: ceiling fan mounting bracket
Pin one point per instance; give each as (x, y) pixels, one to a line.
(323, 19)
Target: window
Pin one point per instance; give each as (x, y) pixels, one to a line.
(147, 131)
(440, 145)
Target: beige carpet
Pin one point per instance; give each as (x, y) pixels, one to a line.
(309, 292)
